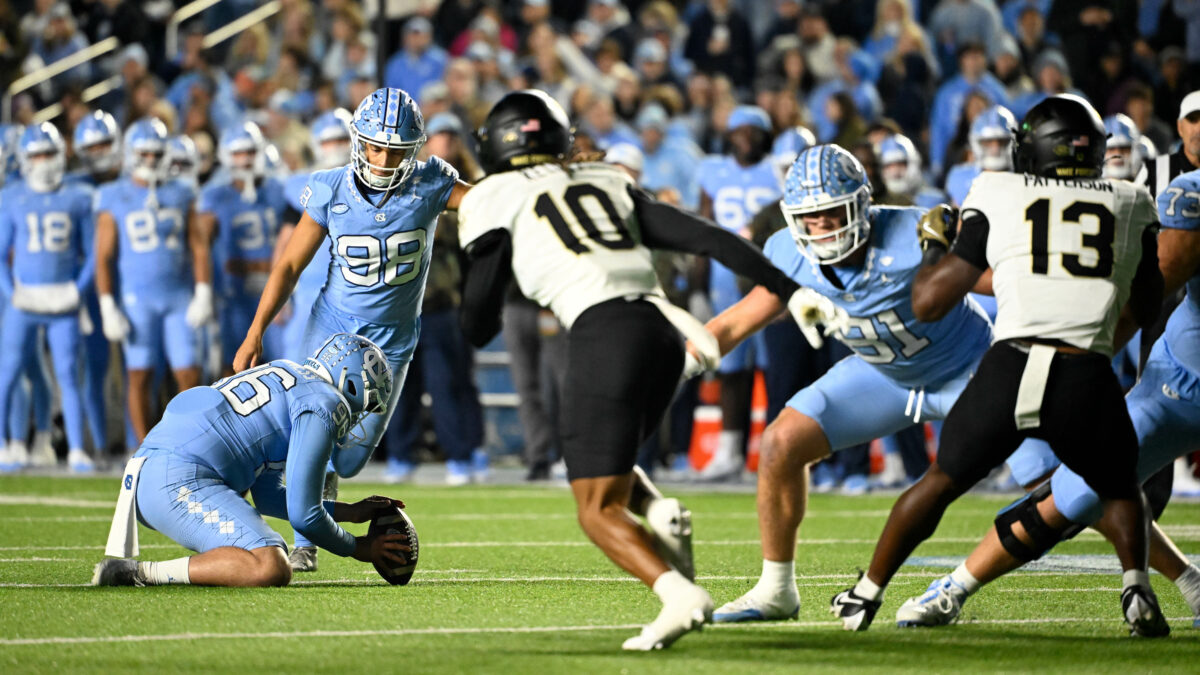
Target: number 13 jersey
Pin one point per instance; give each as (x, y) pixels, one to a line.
(575, 238)
(1063, 253)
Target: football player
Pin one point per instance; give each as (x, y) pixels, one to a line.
(141, 227)
(990, 139)
(379, 211)
(1165, 409)
(240, 214)
(1060, 289)
(856, 263)
(900, 165)
(1126, 154)
(183, 161)
(577, 239)
(733, 188)
(255, 432)
(43, 227)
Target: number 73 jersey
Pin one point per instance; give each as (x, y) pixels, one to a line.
(575, 241)
(1063, 253)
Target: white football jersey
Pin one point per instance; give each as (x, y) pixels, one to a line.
(1063, 253)
(575, 237)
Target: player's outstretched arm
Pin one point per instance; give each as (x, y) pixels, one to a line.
(750, 315)
(945, 278)
(486, 278)
(303, 244)
(309, 448)
(457, 192)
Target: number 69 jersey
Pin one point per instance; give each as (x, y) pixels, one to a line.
(1062, 253)
(554, 215)
(380, 254)
(152, 256)
(241, 425)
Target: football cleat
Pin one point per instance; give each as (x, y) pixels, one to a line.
(458, 472)
(1140, 607)
(42, 453)
(855, 612)
(673, 622)
(79, 462)
(117, 572)
(750, 607)
(18, 456)
(671, 523)
(938, 606)
(303, 559)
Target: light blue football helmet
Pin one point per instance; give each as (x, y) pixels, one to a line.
(183, 159)
(10, 137)
(994, 124)
(789, 143)
(825, 177)
(1126, 154)
(42, 156)
(330, 143)
(388, 118)
(98, 143)
(900, 165)
(146, 150)
(359, 370)
(244, 137)
(749, 116)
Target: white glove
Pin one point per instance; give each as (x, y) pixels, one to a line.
(85, 321)
(112, 320)
(200, 309)
(692, 366)
(810, 309)
(58, 298)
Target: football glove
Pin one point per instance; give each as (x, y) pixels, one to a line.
(200, 309)
(811, 309)
(112, 320)
(938, 227)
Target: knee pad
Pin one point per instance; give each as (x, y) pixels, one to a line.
(1043, 536)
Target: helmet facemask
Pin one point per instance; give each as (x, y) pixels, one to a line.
(826, 248)
(381, 177)
(43, 168)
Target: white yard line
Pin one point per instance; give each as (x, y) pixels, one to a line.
(32, 500)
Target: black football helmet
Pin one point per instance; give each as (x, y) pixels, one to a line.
(1061, 137)
(524, 128)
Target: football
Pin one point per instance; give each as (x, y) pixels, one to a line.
(395, 520)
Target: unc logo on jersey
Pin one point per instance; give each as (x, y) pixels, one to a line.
(380, 217)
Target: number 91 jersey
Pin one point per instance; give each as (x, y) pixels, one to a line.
(574, 234)
(1063, 253)
(152, 255)
(381, 254)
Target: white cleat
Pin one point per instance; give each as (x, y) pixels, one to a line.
(117, 572)
(938, 606)
(18, 456)
(750, 607)
(673, 622)
(42, 454)
(671, 523)
(79, 462)
(303, 559)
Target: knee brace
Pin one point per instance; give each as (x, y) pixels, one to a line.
(1043, 536)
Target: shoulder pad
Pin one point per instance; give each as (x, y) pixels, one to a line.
(435, 166)
(1179, 204)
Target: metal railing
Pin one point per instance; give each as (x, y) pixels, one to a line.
(242, 23)
(183, 14)
(87, 96)
(48, 71)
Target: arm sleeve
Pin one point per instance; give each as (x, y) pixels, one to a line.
(1146, 289)
(308, 452)
(667, 227)
(270, 497)
(971, 242)
(487, 275)
(291, 216)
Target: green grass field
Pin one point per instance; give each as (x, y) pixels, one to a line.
(507, 583)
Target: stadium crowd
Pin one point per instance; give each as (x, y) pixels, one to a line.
(923, 92)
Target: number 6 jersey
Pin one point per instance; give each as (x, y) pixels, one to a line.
(1063, 252)
(572, 238)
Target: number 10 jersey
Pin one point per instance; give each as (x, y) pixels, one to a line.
(575, 238)
(1063, 253)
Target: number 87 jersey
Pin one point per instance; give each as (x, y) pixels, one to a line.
(153, 254)
(381, 253)
(1063, 252)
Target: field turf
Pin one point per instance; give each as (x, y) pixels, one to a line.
(507, 583)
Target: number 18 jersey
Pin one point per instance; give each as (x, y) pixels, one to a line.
(1063, 253)
(574, 234)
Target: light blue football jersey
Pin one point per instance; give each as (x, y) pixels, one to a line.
(959, 179)
(49, 233)
(246, 420)
(152, 251)
(737, 193)
(878, 298)
(1179, 208)
(312, 277)
(380, 254)
(246, 230)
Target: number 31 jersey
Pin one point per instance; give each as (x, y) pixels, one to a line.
(1063, 253)
(574, 234)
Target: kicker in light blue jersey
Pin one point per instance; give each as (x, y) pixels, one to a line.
(312, 278)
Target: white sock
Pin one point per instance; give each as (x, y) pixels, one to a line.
(671, 585)
(865, 588)
(778, 578)
(1189, 585)
(1136, 578)
(165, 572)
(964, 579)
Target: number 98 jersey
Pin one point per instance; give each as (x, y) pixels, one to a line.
(1063, 253)
(153, 256)
(574, 234)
